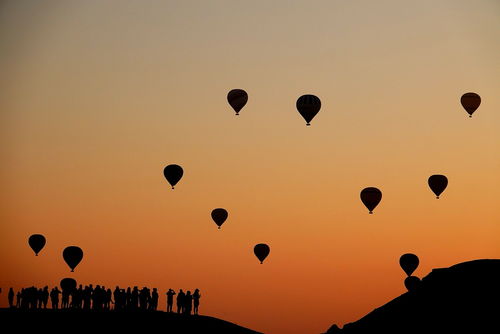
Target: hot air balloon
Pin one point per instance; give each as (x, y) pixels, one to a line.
(470, 102)
(371, 197)
(412, 283)
(36, 242)
(409, 262)
(261, 251)
(72, 255)
(219, 216)
(68, 284)
(308, 106)
(438, 184)
(237, 98)
(173, 173)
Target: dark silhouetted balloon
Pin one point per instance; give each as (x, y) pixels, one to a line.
(237, 98)
(412, 283)
(371, 197)
(438, 184)
(470, 102)
(72, 255)
(36, 242)
(261, 251)
(219, 216)
(68, 284)
(308, 106)
(409, 262)
(173, 174)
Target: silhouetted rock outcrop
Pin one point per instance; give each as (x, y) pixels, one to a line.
(80, 321)
(464, 298)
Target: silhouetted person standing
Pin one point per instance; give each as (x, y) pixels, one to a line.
(87, 297)
(97, 299)
(188, 303)
(154, 300)
(77, 299)
(129, 298)
(143, 298)
(135, 298)
(10, 296)
(45, 296)
(108, 301)
(196, 300)
(54, 298)
(117, 294)
(180, 301)
(18, 299)
(39, 297)
(65, 298)
(170, 299)
(24, 301)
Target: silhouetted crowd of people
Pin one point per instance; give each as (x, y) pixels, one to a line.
(186, 302)
(101, 298)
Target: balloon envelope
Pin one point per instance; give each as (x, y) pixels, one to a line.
(72, 255)
(219, 216)
(68, 284)
(308, 106)
(173, 174)
(36, 242)
(261, 251)
(412, 283)
(470, 102)
(370, 197)
(408, 262)
(237, 98)
(438, 184)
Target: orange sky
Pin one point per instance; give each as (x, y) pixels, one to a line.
(97, 97)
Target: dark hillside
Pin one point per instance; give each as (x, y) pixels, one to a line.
(78, 321)
(464, 298)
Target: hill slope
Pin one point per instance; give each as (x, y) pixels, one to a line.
(67, 321)
(462, 298)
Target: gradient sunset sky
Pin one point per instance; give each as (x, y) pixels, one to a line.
(97, 97)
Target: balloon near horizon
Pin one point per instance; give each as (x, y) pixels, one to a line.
(36, 242)
(412, 283)
(68, 284)
(409, 263)
(72, 255)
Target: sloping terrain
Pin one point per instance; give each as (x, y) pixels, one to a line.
(464, 298)
(70, 321)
